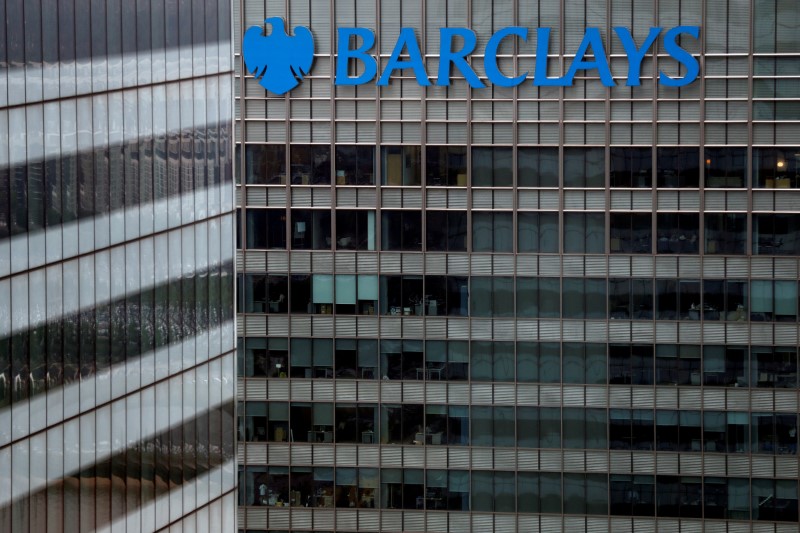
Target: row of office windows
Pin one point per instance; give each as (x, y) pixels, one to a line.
(536, 231)
(524, 427)
(629, 167)
(523, 492)
(524, 362)
(522, 297)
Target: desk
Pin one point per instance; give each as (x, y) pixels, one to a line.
(429, 373)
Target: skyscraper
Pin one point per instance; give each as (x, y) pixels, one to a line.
(520, 307)
(116, 266)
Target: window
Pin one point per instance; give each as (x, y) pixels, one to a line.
(312, 422)
(265, 358)
(492, 167)
(539, 427)
(631, 167)
(355, 165)
(679, 300)
(492, 361)
(265, 294)
(446, 295)
(492, 426)
(537, 232)
(773, 433)
(726, 167)
(355, 230)
(300, 295)
(311, 358)
(447, 424)
(776, 234)
(630, 299)
(311, 229)
(773, 367)
(726, 432)
(679, 496)
(266, 228)
(678, 431)
(402, 360)
(774, 499)
(776, 26)
(400, 165)
(583, 298)
(447, 360)
(494, 491)
(356, 487)
(773, 301)
(677, 233)
(402, 295)
(538, 362)
(401, 230)
(632, 495)
(725, 300)
(492, 232)
(538, 297)
(446, 165)
(539, 492)
(678, 167)
(356, 423)
(584, 428)
(537, 167)
(402, 424)
(584, 363)
(724, 366)
(446, 231)
(492, 296)
(677, 364)
(447, 489)
(726, 233)
(584, 233)
(310, 164)
(630, 364)
(631, 233)
(776, 168)
(584, 167)
(631, 429)
(265, 164)
(402, 488)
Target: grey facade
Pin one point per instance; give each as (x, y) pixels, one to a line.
(116, 266)
(527, 308)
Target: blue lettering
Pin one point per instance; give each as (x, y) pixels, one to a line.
(345, 54)
(458, 59)
(540, 72)
(681, 56)
(490, 57)
(408, 40)
(635, 55)
(591, 38)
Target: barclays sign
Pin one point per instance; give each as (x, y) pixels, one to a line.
(280, 61)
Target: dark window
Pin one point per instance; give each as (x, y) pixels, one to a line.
(773, 367)
(725, 300)
(447, 360)
(538, 362)
(402, 295)
(631, 429)
(630, 299)
(355, 165)
(311, 358)
(678, 299)
(776, 168)
(400, 165)
(583, 298)
(677, 233)
(538, 297)
(266, 358)
(492, 361)
(726, 167)
(631, 233)
(355, 230)
(537, 167)
(678, 167)
(266, 228)
(446, 165)
(632, 495)
(539, 427)
(265, 164)
(446, 231)
(401, 230)
(677, 364)
(492, 167)
(446, 295)
(630, 364)
(724, 366)
(492, 296)
(726, 233)
(631, 167)
(311, 229)
(584, 363)
(310, 164)
(265, 294)
(776, 234)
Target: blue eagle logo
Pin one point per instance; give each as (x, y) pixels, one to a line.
(279, 61)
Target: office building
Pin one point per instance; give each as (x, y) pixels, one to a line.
(117, 328)
(529, 307)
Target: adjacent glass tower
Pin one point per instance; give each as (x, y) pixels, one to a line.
(116, 266)
(529, 308)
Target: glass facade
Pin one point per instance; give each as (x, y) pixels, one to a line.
(523, 308)
(117, 336)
